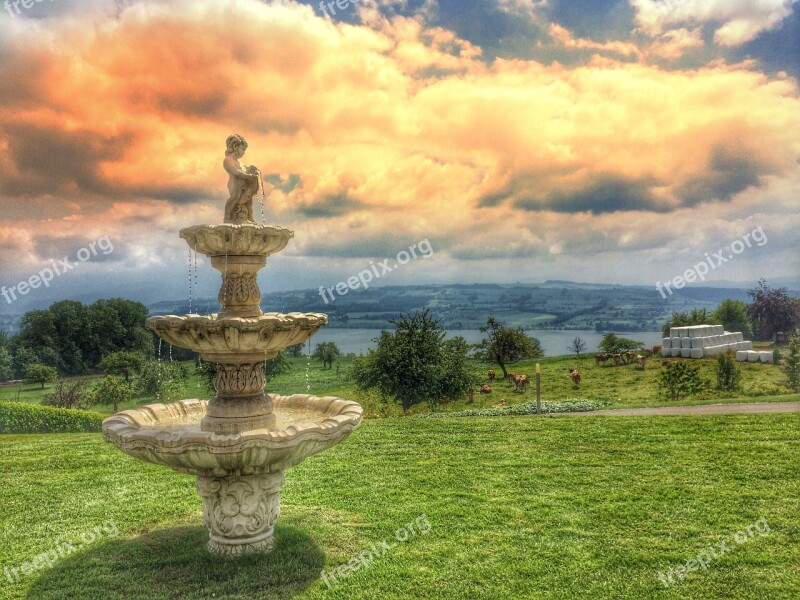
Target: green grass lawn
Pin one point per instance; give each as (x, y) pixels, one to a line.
(619, 387)
(518, 508)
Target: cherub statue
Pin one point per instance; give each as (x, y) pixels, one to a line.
(244, 182)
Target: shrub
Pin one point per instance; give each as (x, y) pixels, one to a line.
(777, 356)
(792, 365)
(528, 408)
(16, 417)
(680, 379)
(729, 378)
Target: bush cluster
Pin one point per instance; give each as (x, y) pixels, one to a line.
(16, 417)
(528, 408)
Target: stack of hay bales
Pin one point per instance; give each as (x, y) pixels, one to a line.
(698, 341)
(754, 356)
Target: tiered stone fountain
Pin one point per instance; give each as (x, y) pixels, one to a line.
(239, 443)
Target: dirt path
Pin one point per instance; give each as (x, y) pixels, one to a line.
(707, 409)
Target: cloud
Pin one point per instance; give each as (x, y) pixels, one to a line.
(735, 21)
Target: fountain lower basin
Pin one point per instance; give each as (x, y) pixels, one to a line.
(239, 476)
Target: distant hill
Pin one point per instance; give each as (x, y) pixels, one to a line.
(550, 305)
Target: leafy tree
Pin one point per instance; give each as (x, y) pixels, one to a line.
(6, 365)
(698, 316)
(415, 363)
(123, 363)
(277, 366)
(732, 314)
(505, 345)
(21, 358)
(327, 353)
(112, 390)
(612, 344)
(295, 351)
(772, 311)
(680, 379)
(577, 346)
(68, 394)
(729, 377)
(163, 379)
(38, 373)
(792, 364)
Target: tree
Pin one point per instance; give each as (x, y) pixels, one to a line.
(20, 359)
(295, 351)
(326, 352)
(6, 365)
(505, 346)
(772, 311)
(680, 379)
(112, 390)
(38, 373)
(68, 394)
(612, 344)
(732, 315)
(415, 363)
(162, 379)
(577, 346)
(698, 316)
(791, 364)
(276, 366)
(123, 363)
(729, 377)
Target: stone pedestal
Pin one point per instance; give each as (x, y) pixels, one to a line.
(240, 512)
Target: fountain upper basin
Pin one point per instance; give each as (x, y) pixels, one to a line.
(247, 239)
(261, 337)
(170, 435)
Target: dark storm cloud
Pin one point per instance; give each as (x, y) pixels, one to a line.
(288, 186)
(48, 160)
(331, 206)
(730, 171)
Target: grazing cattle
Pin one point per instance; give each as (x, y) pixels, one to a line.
(656, 349)
(485, 389)
(521, 382)
(601, 358)
(630, 356)
(640, 360)
(512, 377)
(491, 375)
(444, 402)
(500, 404)
(617, 359)
(576, 378)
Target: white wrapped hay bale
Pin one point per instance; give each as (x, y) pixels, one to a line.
(676, 342)
(697, 353)
(686, 352)
(666, 343)
(697, 342)
(665, 352)
(675, 352)
(739, 336)
(747, 345)
(695, 331)
(686, 342)
(766, 357)
(753, 356)
(741, 356)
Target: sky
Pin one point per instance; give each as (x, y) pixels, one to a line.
(607, 141)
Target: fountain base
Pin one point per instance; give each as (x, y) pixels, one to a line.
(240, 512)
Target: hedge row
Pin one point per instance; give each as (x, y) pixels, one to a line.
(16, 417)
(528, 408)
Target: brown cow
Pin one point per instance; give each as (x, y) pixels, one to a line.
(617, 359)
(601, 358)
(640, 360)
(491, 375)
(485, 389)
(512, 377)
(521, 382)
(576, 378)
(444, 402)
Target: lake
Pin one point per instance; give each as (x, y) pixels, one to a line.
(553, 343)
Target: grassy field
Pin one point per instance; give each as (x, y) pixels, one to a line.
(518, 508)
(618, 387)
